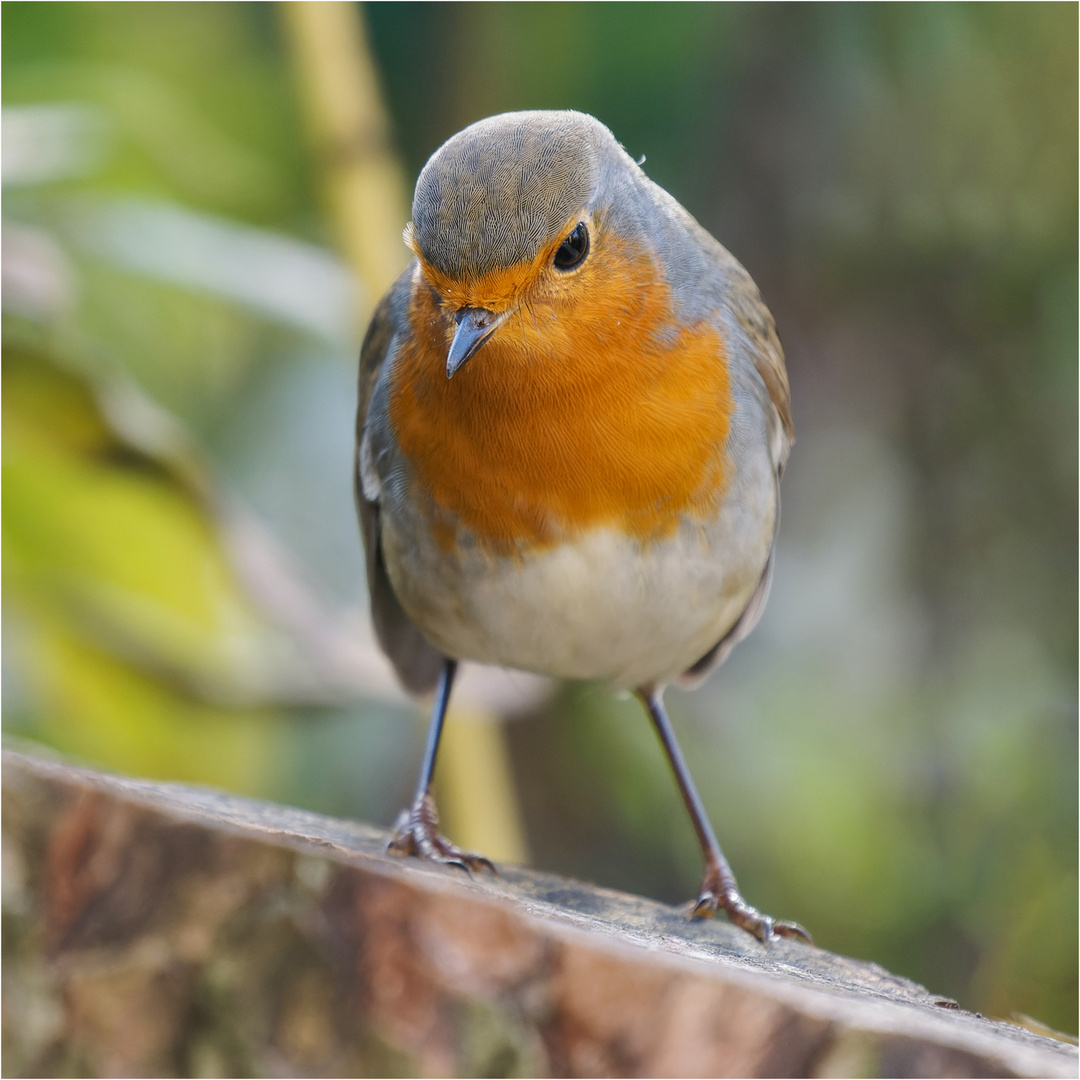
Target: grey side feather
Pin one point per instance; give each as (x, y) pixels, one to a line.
(746, 622)
(416, 661)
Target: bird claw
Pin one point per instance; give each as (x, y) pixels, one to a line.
(416, 832)
(716, 896)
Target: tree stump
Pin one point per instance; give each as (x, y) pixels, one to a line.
(156, 929)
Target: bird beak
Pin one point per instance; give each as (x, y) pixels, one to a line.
(474, 327)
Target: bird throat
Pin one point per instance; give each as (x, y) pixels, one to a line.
(592, 413)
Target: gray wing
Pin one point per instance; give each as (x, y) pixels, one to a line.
(416, 661)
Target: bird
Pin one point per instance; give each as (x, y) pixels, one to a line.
(573, 416)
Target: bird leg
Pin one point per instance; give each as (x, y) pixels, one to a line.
(718, 887)
(416, 831)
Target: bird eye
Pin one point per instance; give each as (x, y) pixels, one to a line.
(574, 248)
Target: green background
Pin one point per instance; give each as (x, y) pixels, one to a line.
(891, 758)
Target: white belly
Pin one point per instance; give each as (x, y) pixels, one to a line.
(603, 607)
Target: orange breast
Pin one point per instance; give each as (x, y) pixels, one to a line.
(576, 413)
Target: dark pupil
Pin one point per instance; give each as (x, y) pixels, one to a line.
(572, 250)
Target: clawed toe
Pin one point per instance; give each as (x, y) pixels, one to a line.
(416, 832)
(716, 896)
(792, 930)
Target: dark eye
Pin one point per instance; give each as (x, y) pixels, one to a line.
(574, 248)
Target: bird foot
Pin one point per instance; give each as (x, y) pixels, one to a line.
(416, 832)
(716, 894)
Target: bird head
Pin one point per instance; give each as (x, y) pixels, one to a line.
(512, 212)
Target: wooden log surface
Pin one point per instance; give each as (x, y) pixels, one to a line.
(156, 929)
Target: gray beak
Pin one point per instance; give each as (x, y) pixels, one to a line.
(474, 327)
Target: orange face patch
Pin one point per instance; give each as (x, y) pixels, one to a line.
(585, 408)
(495, 291)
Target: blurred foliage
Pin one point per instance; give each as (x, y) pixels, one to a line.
(891, 758)
(118, 578)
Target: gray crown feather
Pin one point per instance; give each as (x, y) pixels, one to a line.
(498, 191)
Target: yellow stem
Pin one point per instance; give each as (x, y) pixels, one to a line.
(350, 132)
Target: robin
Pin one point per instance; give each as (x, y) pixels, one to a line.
(573, 418)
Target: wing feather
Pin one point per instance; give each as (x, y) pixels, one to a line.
(416, 661)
